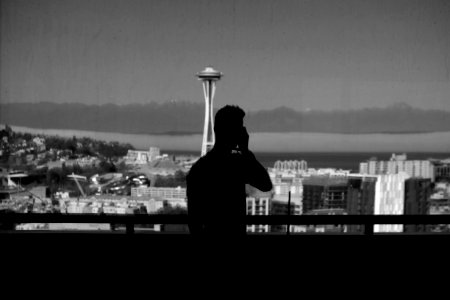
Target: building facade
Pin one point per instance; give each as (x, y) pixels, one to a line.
(442, 170)
(142, 157)
(417, 195)
(323, 192)
(137, 157)
(258, 207)
(291, 165)
(326, 228)
(398, 164)
(159, 192)
(286, 199)
(153, 153)
(389, 199)
(360, 198)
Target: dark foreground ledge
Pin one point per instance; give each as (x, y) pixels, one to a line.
(179, 254)
(134, 244)
(276, 244)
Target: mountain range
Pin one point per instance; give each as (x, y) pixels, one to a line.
(182, 117)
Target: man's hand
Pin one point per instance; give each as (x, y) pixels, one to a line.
(243, 140)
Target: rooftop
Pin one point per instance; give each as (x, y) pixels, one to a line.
(325, 181)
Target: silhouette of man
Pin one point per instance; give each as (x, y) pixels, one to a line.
(216, 182)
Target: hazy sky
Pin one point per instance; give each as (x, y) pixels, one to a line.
(302, 54)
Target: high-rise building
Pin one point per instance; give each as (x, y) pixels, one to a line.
(323, 192)
(393, 194)
(417, 196)
(389, 199)
(360, 198)
(361, 195)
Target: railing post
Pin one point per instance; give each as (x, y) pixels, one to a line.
(129, 228)
(288, 230)
(368, 229)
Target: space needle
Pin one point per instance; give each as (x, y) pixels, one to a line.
(208, 76)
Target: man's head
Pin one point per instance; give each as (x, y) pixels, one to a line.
(228, 125)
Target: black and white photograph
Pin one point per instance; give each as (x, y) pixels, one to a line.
(270, 121)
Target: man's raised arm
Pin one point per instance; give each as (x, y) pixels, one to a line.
(256, 174)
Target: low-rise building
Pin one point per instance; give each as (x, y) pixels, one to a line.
(325, 228)
(163, 192)
(142, 157)
(291, 165)
(258, 207)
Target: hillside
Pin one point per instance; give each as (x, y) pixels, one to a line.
(187, 117)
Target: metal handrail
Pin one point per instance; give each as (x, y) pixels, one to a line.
(130, 220)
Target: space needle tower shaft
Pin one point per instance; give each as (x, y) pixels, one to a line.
(209, 77)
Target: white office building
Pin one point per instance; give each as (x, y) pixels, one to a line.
(291, 165)
(142, 157)
(390, 199)
(398, 164)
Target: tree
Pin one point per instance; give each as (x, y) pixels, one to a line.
(27, 136)
(54, 179)
(43, 161)
(71, 145)
(106, 150)
(113, 149)
(9, 131)
(172, 210)
(122, 167)
(86, 150)
(180, 178)
(107, 167)
(77, 169)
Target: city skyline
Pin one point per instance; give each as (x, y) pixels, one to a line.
(403, 185)
(322, 55)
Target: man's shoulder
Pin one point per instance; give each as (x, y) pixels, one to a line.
(206, 162)
(197, 166)
(199, 163)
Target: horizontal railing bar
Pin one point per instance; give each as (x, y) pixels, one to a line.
(92, 218)
(349, 219)
(249, 220)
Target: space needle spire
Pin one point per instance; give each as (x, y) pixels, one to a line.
(209, 77)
